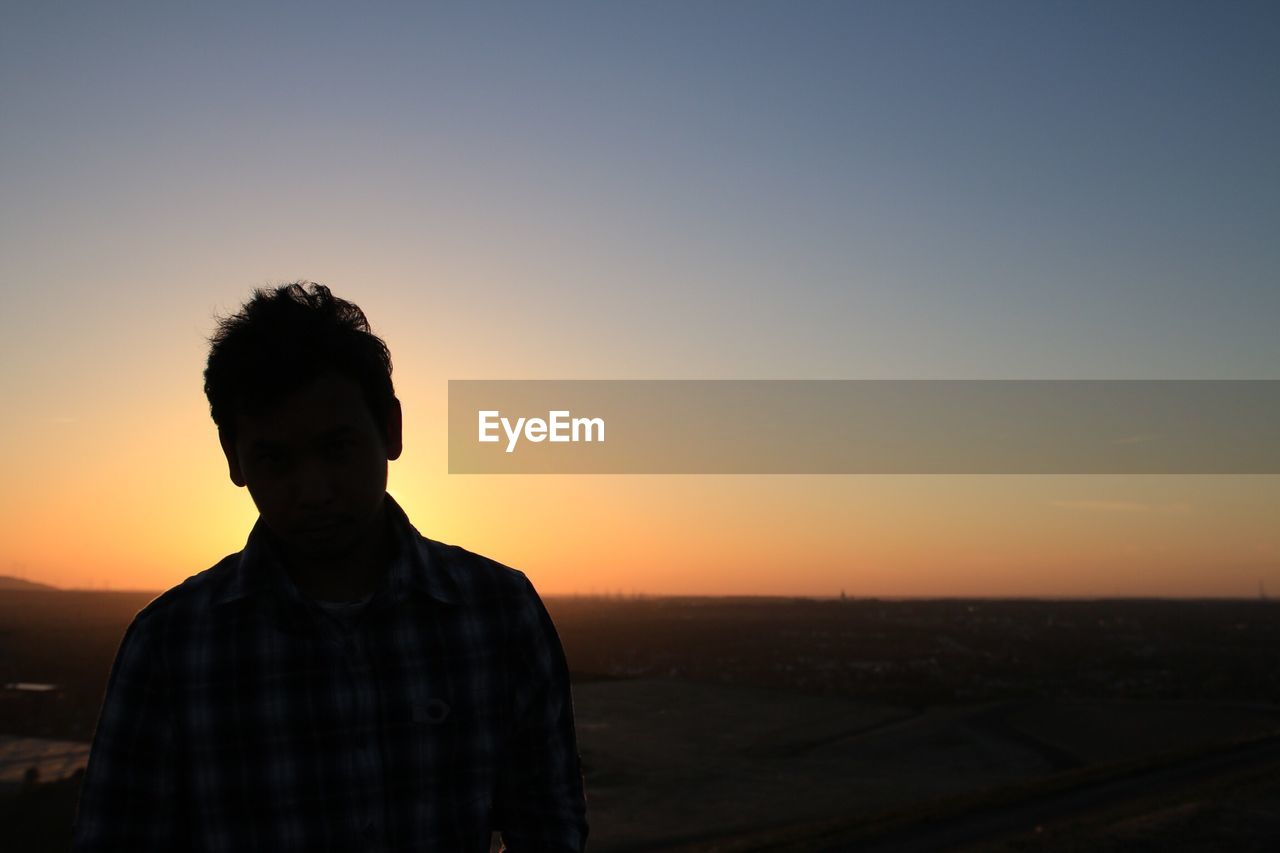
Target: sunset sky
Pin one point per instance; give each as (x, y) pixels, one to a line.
(763, 190)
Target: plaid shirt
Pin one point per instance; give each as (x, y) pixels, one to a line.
(241, 717)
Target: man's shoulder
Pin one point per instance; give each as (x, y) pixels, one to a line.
(193, 596)
(472, 578)
(495, 595)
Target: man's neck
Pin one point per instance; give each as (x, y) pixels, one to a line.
(350, 575)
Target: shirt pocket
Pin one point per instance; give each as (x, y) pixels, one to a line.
(422, 743)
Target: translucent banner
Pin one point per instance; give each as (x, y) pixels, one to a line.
(912, 426)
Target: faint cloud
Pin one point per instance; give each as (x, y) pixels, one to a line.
(1136, 439)
(1123, 506)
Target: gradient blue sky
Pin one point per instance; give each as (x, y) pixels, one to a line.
(657, 190)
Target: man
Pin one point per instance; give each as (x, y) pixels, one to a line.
(343, 683)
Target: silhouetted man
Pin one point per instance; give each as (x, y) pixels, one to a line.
(343, 683)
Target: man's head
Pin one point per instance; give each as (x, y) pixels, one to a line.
(301, 392)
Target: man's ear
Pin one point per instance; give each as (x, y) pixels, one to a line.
(233, 458)
(395, 427)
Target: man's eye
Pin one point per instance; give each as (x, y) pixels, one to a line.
(339, 447)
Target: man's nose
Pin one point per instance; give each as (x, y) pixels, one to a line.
(314, 484)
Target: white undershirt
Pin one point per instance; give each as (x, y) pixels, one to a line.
(345, 610)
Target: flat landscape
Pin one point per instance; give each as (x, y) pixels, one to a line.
(775, 724)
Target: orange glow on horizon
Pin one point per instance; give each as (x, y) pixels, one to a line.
(135, 494)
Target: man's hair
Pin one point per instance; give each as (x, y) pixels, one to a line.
(283, 338)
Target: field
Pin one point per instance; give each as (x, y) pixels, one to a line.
(776, 724)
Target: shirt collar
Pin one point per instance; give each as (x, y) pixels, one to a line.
(259, 570)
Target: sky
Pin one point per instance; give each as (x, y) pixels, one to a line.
(705, 190)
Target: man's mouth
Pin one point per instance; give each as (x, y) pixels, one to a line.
(320, 526)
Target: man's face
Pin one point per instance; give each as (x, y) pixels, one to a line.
(316, 465)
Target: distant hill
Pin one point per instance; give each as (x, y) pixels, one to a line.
(8, 582)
